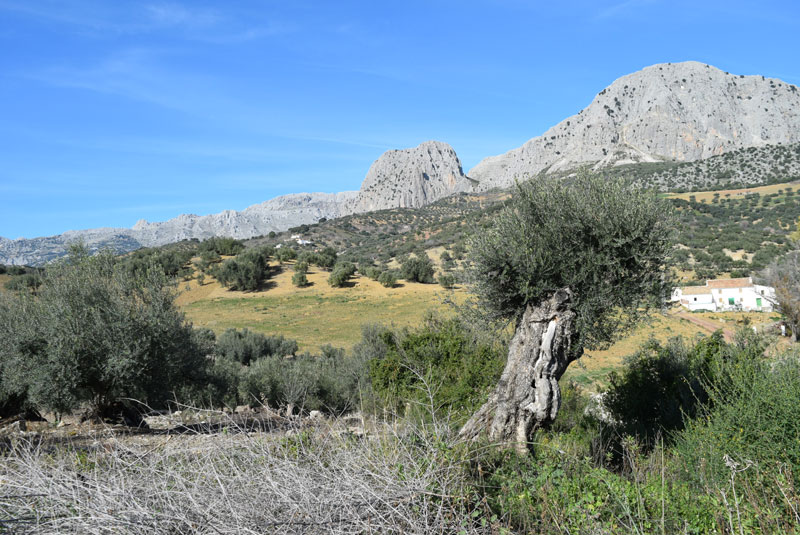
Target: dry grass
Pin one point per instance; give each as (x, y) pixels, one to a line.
(319, 315)
(591, 370)
(240, 482)
(700, 196)
(315, 315)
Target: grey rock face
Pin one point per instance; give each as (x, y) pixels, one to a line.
(399, 178)
(411, 178)
(680, 111)
(276, 214)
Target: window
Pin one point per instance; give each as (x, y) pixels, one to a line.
(758, 302)
(731, 301)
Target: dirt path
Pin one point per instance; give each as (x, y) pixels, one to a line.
(706, 324)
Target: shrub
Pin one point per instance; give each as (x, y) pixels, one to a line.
(221, 246)
(443, 357)
(96, 334)
(417, 269)
(28, 281)
(284, 254)
(387, 279)
(245, 272)
(341, 274)
(300, 279)
(660, 386)
(245, 346)
(326, 258)
(447, 280)
(752, 415)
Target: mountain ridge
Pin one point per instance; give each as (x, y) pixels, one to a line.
(674, 111)
(668, 113)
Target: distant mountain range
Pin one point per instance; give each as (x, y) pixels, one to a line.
(669, 113)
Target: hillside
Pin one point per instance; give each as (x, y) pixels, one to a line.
(657, 118)
(667, 112)
(747, 167)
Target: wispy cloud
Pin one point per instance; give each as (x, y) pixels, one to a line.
(177, 15)
(622, 8)
(183, 20)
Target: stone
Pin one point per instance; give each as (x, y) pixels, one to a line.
(240, 409)
(411, 178)
(675, 111)
(316, 416)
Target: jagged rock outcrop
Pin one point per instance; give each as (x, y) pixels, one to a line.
(679, 111)
(399, 178)
(411, 178)
(277, 214)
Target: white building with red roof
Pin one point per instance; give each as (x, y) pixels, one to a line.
(726, 295)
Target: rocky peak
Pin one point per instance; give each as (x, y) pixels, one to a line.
(674, 111)
(411, 178)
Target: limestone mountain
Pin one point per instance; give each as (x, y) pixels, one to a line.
(398, 179)
(411, 178)
(667, 112)
(277, 214)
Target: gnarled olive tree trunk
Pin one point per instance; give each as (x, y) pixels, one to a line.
(527, 395)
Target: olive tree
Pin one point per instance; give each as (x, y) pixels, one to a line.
(573, 265)
(96, 333)
(784, 275)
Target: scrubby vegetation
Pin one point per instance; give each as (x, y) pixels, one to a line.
(689, 436)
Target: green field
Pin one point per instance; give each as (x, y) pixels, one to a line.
(316, 315)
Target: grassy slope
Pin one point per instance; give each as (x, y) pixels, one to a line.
(315, 315)
(319, 315)
(708, 196)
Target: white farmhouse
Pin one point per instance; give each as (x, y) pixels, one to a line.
(725, 295)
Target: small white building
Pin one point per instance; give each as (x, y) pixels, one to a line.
(726, 295)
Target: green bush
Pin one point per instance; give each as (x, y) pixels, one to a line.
(221, 246)
(300, 279)
(341, 274)
(752, 417)
(328, 382)
(96, 334)
(417, 269)
(441, 359)
(387, 279)
(247, 271)
(447, 280)
(28, 281)
(284, 254)
(660, 386)
(245, 346)
(326, 258)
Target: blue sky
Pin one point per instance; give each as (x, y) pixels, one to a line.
(111, 111)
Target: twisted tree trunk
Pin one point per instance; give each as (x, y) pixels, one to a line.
(527, 395)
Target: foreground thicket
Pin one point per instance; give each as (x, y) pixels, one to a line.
(312, 482)
(728, 463)
(727, 470)
(95, 333)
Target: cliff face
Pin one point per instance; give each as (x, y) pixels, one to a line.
(411, 178)
(680, 111)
